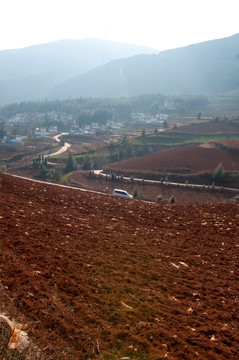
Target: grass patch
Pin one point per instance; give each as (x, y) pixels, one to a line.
(65, 178)
(63, 156)
(175, 139)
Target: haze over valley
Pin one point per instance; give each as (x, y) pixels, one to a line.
(119, 180)
(97, 68)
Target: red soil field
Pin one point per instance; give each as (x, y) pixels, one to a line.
(212, 127)
(150, 192)
(92, 275)
(190, 159)
(234, 143)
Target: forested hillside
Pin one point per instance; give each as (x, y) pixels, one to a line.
(28, 73)
(206, 68)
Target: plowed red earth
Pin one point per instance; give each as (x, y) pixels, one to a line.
(212, 127)
(94, 275)
(195, 159)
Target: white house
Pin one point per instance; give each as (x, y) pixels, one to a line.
(163, 116)
(52, 130)
(40, 133)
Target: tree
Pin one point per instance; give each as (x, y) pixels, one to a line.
(87, 164)
(42, 173)
(143, 134)
(54, 175)
(70, 164)
(156, 132)
(154, 108)
(124, 147)
(112, 148)
(165, 124)
(124, 141)
(2, 129)
(101, 116)
(219, 173)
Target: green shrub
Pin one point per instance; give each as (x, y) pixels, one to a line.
(135, 193)
(172, 200)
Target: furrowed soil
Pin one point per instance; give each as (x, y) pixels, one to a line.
(98, 277)
(192, 159)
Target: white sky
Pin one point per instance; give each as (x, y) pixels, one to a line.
(161, 24)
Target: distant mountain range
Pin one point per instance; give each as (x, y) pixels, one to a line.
(29, 73)
(97, 68)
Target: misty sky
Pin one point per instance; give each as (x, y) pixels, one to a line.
(161, 24)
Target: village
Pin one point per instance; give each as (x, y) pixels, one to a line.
(24, 123)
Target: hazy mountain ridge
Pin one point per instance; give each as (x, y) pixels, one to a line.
(28, 73)
(205, 68)
(101, 68)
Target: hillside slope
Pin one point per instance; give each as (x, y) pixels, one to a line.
(28, 73)
(98, 277)
(186, 160)
(205, 68)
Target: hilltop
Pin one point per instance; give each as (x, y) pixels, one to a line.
(29, 73)
(97, 277)
(207, 68)
(105, 69)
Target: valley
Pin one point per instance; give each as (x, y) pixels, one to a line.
(91, 276)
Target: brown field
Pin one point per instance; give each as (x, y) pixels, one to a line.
(189, 159)
(212, 127)
(234, 143)
(150, 191)
(96, 277)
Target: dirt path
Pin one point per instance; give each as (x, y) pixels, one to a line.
(64, 148)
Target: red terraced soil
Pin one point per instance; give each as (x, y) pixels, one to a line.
(195, 159)
(234, 143)
(210, 128)
(92, 274)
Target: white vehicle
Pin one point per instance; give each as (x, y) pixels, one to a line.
(122, 193)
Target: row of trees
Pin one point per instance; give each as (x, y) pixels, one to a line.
(101, 116)
(41, 163)
(120, 108)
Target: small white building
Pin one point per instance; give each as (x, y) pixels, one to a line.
(40, 133)
(52, 130)
(117, 125)
(169, 104)
(163, 117)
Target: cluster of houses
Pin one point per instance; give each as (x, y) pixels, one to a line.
(141, 118)
(95, 128)
(27, 118)
(39, 133)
